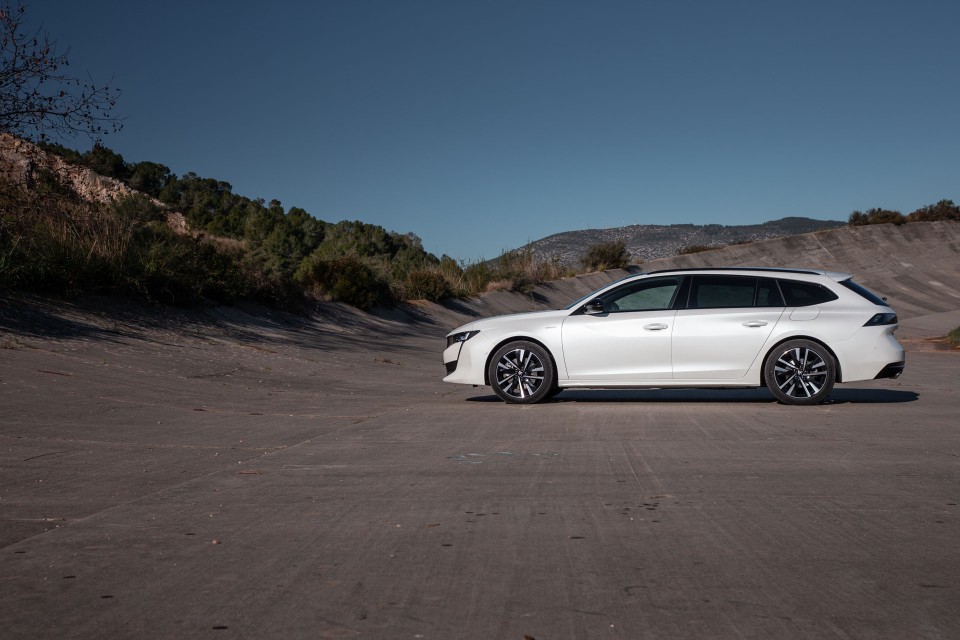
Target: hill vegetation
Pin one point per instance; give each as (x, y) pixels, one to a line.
(943, 210)
(228, 247)
(53, 238)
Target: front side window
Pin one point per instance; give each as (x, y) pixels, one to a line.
(645, 295)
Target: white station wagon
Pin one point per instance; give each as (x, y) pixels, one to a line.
(794, 331)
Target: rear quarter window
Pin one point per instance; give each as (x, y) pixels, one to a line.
(864, 292)
(803, 294)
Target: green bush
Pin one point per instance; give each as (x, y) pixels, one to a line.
(346, 279)
(181, 270)
(52, 244)
(606, 255)
(46, 260)
(954, 337)
(876, 216)
(522, 271)
(943, 210)
(695, 248)
(475, 278)
(427, 284)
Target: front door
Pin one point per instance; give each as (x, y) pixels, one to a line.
(629, 340)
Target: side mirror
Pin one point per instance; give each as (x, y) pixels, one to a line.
(594, 307)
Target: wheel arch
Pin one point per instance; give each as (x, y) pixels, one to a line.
(766, 357)
(521, 338)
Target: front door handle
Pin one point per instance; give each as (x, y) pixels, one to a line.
(656, 326)
(755, 323)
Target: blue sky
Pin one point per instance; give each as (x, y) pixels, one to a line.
(481, 126)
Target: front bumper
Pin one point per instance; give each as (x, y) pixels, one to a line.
(465, 361)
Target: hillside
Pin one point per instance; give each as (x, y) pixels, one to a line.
(647, 242)
(228, 247)
(93, 223)
(288, 258)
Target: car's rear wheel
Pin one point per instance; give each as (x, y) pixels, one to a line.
(800, 372)
(522, 372)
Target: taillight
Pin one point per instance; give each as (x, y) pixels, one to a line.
(880, 319)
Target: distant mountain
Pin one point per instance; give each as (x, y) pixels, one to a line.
(647, 242)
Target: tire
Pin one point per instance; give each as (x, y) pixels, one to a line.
(522, 372)
(800, 372)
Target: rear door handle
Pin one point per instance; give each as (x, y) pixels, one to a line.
(656, 326)
(755, 323)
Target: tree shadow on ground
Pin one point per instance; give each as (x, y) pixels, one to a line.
(42, 319)
(332, 327)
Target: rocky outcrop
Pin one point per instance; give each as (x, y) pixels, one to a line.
(22, 162)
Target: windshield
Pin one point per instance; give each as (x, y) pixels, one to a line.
(593, 294)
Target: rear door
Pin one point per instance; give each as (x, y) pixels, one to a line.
(726, 323)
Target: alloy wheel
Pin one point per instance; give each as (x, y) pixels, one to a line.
(520, 373)
(801, 373)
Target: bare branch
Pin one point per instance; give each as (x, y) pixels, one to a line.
(37, 97)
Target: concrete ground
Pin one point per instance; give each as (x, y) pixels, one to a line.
(233, 475)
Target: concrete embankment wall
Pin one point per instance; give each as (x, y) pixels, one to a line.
(916, 266)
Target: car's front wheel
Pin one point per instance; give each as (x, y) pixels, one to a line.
(800, 372)
(522, 372)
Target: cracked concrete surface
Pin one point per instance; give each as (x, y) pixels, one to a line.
(244, 474)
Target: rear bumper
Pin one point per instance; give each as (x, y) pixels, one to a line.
(866, 354)
(892, 370)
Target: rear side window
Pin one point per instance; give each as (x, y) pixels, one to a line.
(768, 294)
(804, 294)
(722, 292)
(864, 292)
(732, 292)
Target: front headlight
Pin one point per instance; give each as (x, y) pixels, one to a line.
(463, 336)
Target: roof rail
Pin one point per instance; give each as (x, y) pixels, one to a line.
(760, 269)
